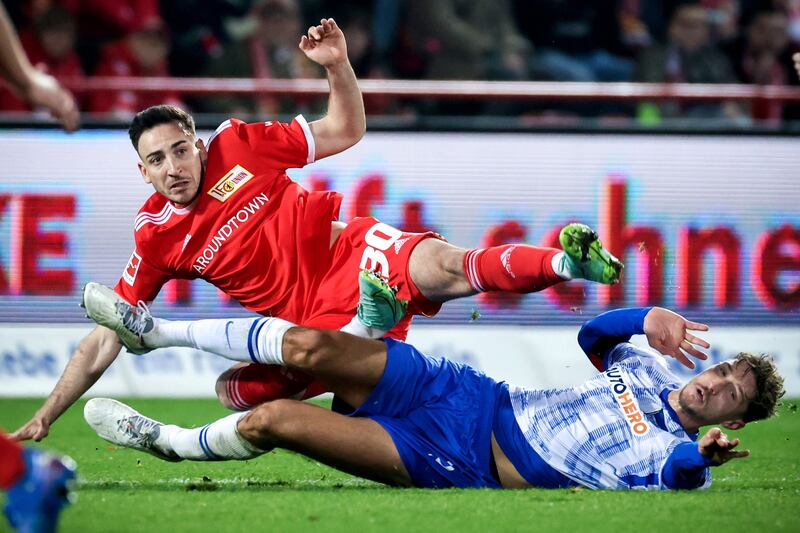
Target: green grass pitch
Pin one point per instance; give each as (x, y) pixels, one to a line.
(122, 490)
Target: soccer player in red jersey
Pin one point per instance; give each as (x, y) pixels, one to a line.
(227, 212)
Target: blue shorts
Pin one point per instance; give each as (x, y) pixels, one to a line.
(439, 415)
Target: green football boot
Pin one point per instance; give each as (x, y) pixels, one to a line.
(585, 256)
(378, 306)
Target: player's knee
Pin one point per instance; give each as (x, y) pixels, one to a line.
(266, 424)
(226, 385)
(307, 349)
(437, 269)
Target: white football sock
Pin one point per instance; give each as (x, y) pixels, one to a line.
(561, 265)
(253, 340)
(359, 329)
(217, 441)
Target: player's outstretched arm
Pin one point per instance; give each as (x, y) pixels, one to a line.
(36, 87)
(345, 122)
(669, 333)
(687, 465)
(601, 334)
(92, 357)
(718, 448)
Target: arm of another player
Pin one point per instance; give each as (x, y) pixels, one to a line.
(92, 357)
(345, 123)
(36, 87)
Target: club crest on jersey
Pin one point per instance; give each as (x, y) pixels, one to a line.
(627, 402)
(230, 182)
(132, 268)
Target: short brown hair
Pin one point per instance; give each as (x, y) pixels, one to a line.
(154, 116)
(769, 386)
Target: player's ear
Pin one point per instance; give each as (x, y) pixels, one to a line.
(143, 171)
(734, 424)
(201, 147)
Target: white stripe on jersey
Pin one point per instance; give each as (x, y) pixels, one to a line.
(312, 146)
(153, 218)
(225, 125)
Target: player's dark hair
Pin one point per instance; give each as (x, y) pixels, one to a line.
(155, 116)
(769, 386)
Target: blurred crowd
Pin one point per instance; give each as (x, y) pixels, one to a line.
(706, 41)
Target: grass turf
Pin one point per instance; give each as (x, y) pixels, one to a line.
(122, 490)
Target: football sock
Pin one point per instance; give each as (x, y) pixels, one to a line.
(561, 266)
(252, 384)
(256, 340)
(12, 464)
(217, 441)
(519, 268)
(359, 329)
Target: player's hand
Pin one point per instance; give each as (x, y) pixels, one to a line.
(668, 333)
(45, 91)
(324, 44)
(796, 59)
(716, 446)
(35, 429)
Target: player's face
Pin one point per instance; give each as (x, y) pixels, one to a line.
(719, 394)
(172, 161)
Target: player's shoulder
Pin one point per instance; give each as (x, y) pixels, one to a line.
(635, 354)
(235, 128)
(645, 363)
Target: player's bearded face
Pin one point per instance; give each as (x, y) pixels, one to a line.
(719, 394)
(173, 162)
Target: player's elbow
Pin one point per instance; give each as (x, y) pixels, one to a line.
(307, 349)
(336, 133)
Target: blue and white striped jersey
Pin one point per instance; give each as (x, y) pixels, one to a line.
(615, 431)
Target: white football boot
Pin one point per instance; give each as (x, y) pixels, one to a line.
(130, 322)
(124, 426)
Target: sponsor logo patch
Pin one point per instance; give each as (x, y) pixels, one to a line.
(627, 402)
(129, 275)
(230, 182)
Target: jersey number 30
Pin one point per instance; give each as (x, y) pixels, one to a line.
(379, 238)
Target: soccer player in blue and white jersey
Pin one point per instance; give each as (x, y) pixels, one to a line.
(428, 422)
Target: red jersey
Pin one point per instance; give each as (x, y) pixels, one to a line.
(252, 232)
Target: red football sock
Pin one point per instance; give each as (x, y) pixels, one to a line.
(254, 384)
(315, 388)
(517, 268)
(12, 464)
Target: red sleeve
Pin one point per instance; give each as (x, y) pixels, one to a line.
(278, 144)
(141, 280)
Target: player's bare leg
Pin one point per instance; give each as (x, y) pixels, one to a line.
(443, 272)
(358, 446)
(350, 366)
(378, 311)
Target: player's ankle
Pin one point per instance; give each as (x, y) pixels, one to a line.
(563, 267)
(154, 338)
(359, 329)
